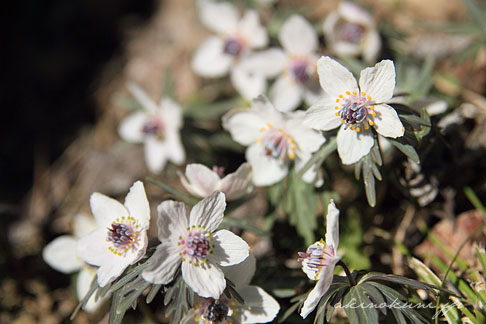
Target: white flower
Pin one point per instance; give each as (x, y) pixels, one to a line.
(274, 140)
(295, 65)
(319, 261)
(121, 237)
(351, 31)
(234, 41)
(61, 254)
(158, 127)
(201, 181)
(189, 239)
(259, 306)
(355, 109)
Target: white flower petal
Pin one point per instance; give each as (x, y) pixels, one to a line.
(83, 283)
(332, 226)
(174, 148)
(93, 248)
(241, 274)
(252, 30)
(352, 146)
(335, 79)
(379, 81)
(221, 17)
(229, 248)
(172, 219)
(329, 27)
(371, 46)
(266, 170)
(206, 281)
(297, 36)
(387, 122)
(322, 115)
(109, 271)
(61, 254)
(313, 175)
(244, 126)
(155, 152)
(323, 284)
(307, 139)
(83, 224)
(268, 63)
(163, 264)
(171, 112)
(142, 97)
(248, 83)
(201, 180)
(208, 212)
(344, 49)
(261, 307)
(286, 94)
(105, 209)
(267, 112)
(354, 13)
(313, 95)
(209, 60)
(137, 204)
(237, 184)
(130, 129)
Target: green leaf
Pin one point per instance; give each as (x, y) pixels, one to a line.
(302, 201)
(319, 157)
(369, 181)
(424, 272)
(405, 148)
(375, 296)
(178, 195)
(358, 307)
(152, 293)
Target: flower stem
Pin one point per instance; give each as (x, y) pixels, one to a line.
(348, 273)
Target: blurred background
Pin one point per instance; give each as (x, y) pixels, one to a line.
(66, 64)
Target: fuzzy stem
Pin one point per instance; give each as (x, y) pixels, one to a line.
(348, 273)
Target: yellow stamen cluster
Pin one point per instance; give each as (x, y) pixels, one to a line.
(372, 108)
(124, 220)
(293, 147)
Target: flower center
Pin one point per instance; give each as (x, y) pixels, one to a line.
(233, 46)
(277, 143)
(196, 246)
(219, 171)
(153, 127)
(210, 311)
(356, 111)
(317, 257)
(217, 312)
(351, 33)
(123, 235)
(301, 70)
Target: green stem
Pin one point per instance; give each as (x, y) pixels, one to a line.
(348, 273)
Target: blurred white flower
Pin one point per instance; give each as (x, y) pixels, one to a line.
(320, 259)
(158, 127)
(201, 181)
(295, 65)
(188, 239)
(355, 109)
(234, 41)
(274, 140)
(351, 31)
(121, 236)
(259, 306)
(61, 254)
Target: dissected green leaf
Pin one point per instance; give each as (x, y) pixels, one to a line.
(358, 306)
(405, 148)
